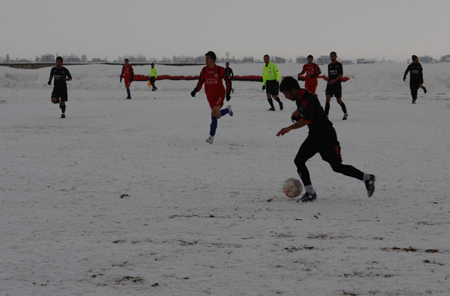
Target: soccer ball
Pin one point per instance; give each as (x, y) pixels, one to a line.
(292, 187)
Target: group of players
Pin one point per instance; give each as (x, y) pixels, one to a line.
(322, 137)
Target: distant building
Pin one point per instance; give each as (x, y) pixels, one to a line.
(364, 61)
(445, 59)
(346, 62)
(47, 58)
(249, 60)
(323, 60)
(427, 60)
(302, 60)
(278, 60)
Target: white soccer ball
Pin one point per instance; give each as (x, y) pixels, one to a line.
(292, 187)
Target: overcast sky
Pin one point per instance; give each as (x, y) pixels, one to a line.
(389, 29)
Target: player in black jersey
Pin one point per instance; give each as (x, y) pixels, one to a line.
(229, 73)
(59, 93)
(415, 78)
(321, 139)
(334, 88)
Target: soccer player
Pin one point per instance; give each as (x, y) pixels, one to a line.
(212, 76)
(153, 75)
(334, 87)
(311, 70)
(230, 74)
(128, 75)
(416, 77)
(271, 78)
(321, 139)
(59, 93)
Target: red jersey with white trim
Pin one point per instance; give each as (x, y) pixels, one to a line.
(212, 78)
(127, 72)
(311, 69)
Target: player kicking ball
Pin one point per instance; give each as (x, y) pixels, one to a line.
(59, 93)
(212, 76)
(321, 139)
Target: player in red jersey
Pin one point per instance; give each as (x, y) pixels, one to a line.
(128, 75)
(212, 76)
(311, 70)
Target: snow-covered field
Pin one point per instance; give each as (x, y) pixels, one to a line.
(125, 197)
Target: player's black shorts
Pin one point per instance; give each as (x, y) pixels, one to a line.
(60, 92)
(326, 145)
(272, 87)
(152, 80)
(334, 90)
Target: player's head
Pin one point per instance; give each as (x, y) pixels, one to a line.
(414, 58)
(227, 64)
(210, 58)
(310, 58)
(266, 59)
(59, 61)
(126, 61)
(333, 56)
(290, 88)
(152, 64)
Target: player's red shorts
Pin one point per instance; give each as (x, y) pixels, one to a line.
(215, 99)
(311, 85)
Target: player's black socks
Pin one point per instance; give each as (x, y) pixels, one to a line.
(344, 109)
(63, 108)
(327, 108)
(277, 99)
(271, 103)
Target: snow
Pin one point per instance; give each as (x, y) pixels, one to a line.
(125, 197)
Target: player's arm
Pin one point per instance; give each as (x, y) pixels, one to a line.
(200, 82)
(406, 72)
(301, 123)
(69, 77)
(278, 73)
(317, 72)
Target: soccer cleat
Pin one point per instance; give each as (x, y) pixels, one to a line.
(210, 140)
(424, 89)
(307, 197)
(63, 115)
(229, 110)
(345, 116)
(281, 106)
(414, 101)
(370, 185)
(129, 98)
(271, 109)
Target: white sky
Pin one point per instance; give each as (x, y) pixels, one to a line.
(389, 29)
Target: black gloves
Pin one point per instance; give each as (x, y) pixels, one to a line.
(228, 97)
(49, 82)
(120, 80)
(264, 87)
(193, 93)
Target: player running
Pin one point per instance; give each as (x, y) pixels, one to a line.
(230, 74)
(128, 75)
(152, 76)
(321, 139)
(416, 77)
(59, 93)
(212, 76)
(334, 88)
(311, 70)
(271, 78)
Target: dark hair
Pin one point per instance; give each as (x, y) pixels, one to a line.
(211, 54)
(310, 56)
(288, 83)
(333, 52)
(59, 58)
(266, 55)
(127, 60)
(414, 57)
